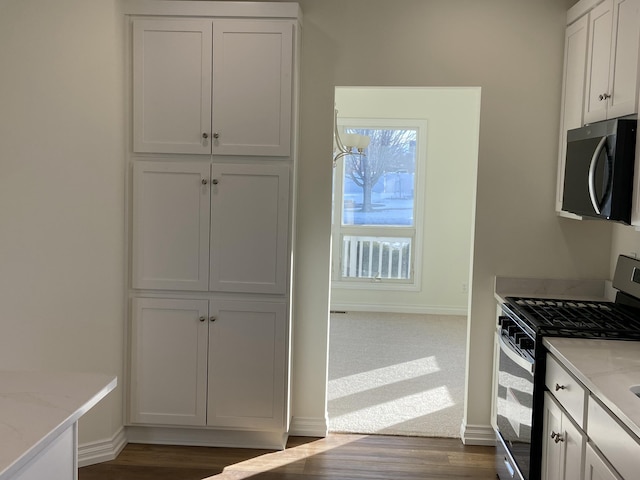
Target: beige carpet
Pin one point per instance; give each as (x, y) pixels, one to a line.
(396, 374)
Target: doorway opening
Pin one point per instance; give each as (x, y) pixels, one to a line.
(402, 250)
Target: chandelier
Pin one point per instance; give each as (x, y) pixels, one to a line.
(348, 144)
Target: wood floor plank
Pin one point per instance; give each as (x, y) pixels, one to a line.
(336, 457)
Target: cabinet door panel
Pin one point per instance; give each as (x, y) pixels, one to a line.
(596, 468)
(624, 59)
(247, 365)
(171, 86)
(598, 62)
(170, 226)
(249, 228)
(169, 361)
(252, 87)
(553, 454)
(575, 65)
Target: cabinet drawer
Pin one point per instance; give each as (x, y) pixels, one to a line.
(569, 392)
(620, 447)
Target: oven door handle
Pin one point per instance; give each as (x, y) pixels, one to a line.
(522, 362)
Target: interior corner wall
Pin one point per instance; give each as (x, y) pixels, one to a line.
(61, 193)
(452, 117)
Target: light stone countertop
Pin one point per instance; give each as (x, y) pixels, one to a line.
(36, 407)
(606, 367)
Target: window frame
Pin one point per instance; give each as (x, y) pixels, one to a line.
(414, 232)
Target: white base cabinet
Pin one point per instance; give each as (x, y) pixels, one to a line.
(597, 468)
(214, 363)
(562, 444)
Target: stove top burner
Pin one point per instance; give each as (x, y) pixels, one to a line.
(578, 318)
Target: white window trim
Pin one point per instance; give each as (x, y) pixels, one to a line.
(420, 125)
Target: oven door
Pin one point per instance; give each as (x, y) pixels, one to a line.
(513, 410)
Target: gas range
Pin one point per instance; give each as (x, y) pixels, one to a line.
(574, 318)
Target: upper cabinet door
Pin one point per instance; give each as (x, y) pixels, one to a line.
(252, 87)
(612, 73)
(249, 228)
(595, 106)
(624, 59)
(575, 65)
(171, 225)
(172, 86)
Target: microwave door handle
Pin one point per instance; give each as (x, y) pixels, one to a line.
(592, 174)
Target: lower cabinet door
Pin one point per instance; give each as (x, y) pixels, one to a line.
(596, 468)
(563, 444)
(247, 365)
(169, 361)
(553, 453)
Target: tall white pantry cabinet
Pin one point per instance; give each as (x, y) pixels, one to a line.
(210, 189)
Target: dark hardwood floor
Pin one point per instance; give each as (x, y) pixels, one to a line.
(338, 456)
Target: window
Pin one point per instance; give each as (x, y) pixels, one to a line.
(376, 213)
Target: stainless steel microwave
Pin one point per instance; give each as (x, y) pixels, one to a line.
(599, 164)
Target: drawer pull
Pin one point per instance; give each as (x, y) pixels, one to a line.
(560, 387)
(557, 437)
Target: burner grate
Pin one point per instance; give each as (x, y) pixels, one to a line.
(577, 318)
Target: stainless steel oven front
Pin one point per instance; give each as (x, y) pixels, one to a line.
(514, 402)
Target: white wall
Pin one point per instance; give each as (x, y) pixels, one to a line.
(513, 51)
(61, 193)
(447, 201)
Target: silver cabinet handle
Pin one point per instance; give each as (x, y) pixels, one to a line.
(212, 318)
(214, 181)
(604, 96)
(205, 181)
(557, 437)
(560, 387)
(202, 319)
(205, 135)
(216, 135)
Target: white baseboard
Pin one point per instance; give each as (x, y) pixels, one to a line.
(478, 435)
(308, 427)
(271, 440)
(417, 309)
(101, 450)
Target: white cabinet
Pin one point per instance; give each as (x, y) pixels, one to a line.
(221, 86)
(612, 60)
(187, 213)
(247, 365)
(563, 440)
(575, 64)
(169, 361)
(214, 363)
(249, 228)
(600, 78)
(171, 214)
(597, 468)
(620, 447)
(213, 101)
(563, 443)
